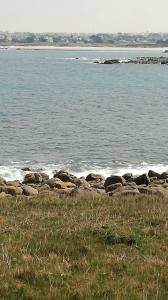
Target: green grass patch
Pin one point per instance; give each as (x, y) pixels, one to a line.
(66, 248)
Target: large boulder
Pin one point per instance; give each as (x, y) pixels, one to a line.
(33, 178)
(29, 190)
(96, 181)
(114, 179)
(65, 176)
(142, 179)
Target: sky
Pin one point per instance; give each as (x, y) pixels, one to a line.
(84, 15)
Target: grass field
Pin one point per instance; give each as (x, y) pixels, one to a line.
(105, 248)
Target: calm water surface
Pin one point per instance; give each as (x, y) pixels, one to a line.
(58, 112)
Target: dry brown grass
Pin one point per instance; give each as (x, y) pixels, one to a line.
(84, 248)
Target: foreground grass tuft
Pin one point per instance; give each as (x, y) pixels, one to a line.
(105, 248)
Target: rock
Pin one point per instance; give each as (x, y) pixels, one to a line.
(114, 179)
(65, 176)
(29, 191)
(131, 183)
(128, 176)
(70, 185)
(142, 179)
(33, 178)
(122, 188)
(96, 181)
(95, 177)
(82, 182)
(56, 183)
(44, 176)
(11, 190)
(153, 174)
(113, 187)
(157, 182)
(153, 179)
(164, 175)
(97, 185)
(26, 169)
(59, 184)
(43, 187)
(110, 62)
(84, 192)
(15, 183)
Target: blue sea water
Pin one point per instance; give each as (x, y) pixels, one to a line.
(60, 112)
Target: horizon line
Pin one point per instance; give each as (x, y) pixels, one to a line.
(85, 32)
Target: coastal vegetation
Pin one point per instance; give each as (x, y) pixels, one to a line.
(84, 238)
(84, 247)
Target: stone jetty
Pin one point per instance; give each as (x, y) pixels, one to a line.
(139, 60)
(94, 185)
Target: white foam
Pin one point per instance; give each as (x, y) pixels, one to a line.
(15, 172)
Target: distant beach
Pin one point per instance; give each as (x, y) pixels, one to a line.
(83, 48)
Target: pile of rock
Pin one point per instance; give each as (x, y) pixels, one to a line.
(94, 185)
(139, 60)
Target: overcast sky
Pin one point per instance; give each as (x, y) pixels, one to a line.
(84, 15)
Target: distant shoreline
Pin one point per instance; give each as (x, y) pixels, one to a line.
(82, 48)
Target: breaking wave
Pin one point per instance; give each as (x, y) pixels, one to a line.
(15, 170)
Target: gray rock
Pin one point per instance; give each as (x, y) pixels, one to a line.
(114, 179)
(113, 187)
(128, 176)
(164, 175)
(153, 174)
(142, 179)
(95, 177)
(65, 176)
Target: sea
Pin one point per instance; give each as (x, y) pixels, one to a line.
(60, 110)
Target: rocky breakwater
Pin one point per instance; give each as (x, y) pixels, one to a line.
(94, 185)
(139, 60)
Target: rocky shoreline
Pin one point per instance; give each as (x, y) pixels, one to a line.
(139, 60)
(94, 185)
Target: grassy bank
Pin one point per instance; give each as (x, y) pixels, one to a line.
(84, 248)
